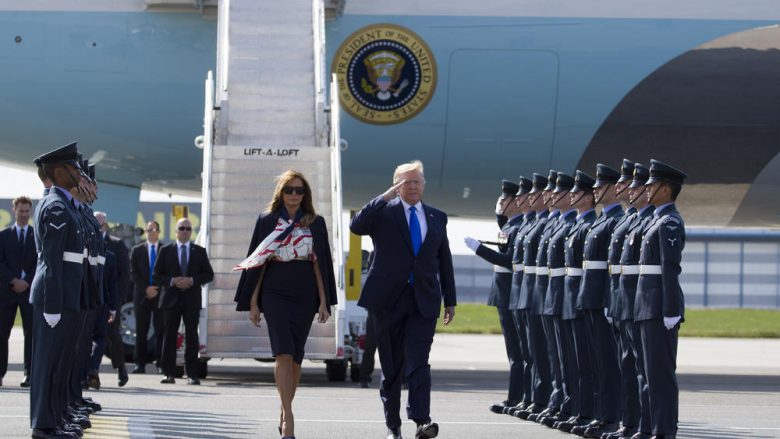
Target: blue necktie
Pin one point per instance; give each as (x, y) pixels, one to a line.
(184, 260)
(416, 233)
(414, 230)
(152, 258)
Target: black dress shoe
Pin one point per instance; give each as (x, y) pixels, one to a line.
(641, 435)
(52, 433)
(73, 429)
(93, 381)
(664, 436)
(25, 382)
(139, 369)
(427, 430)
(595, 431)
(168, 380)
(193, 381)
(500, 407)
(579, 430)
(620, 432)
(575, 421)
(532, 409)
(394, 433)
(122, 377)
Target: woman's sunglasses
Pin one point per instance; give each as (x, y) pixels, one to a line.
(288, 190)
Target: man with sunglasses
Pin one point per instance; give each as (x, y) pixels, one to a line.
(146, 294)
(181, 269)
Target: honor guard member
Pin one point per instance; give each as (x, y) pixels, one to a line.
(540, 369)
(593, 298)
(502, 283)
(523, 367)
(538, 300)
(55, 292)
(659, 306)
(557, 350)
(629, 401)
(580, 198)
(630, 339)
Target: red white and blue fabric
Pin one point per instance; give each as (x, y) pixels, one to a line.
(288, 241)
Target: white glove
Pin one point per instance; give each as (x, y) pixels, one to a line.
(671, 322)
(112, 314)
(52, 319)
(499, 207)
(606, 314)
(471, 243)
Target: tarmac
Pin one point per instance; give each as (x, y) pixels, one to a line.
(729, 388)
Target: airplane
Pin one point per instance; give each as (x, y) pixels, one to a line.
(510, 87)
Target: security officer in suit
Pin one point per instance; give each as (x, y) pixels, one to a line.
(55, 292)
(540, 369)
(623, 312)
(18, 259)
(502, 283)
(560, 407)
(182, 267)
(629, 393)
(146, 295)
(593, 298)
(580, 198)
(538, 301)
(659, 304)
(524, 365)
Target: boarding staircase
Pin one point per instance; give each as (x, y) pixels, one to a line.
(266, 111)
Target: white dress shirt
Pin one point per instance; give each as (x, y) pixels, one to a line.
(420, 216)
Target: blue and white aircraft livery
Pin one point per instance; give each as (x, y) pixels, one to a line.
(476, 90)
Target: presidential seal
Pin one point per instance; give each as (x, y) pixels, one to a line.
(386, 74)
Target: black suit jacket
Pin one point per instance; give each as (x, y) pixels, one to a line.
(394, 258)
(12, 264)
(139, 272)
(122, 266)
(166, 267)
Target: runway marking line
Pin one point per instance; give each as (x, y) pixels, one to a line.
(114, 427)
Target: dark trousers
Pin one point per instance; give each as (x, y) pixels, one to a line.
(606, 366)
(369, 350)
(520, 317)
(146, 316)
(47, 380)
(540, 372)
(584, 369)
(99, 337)
(660, 347)
(404, 339)
(116, 346)
(173, 318)
(516, 365)
(7, 318)
(554, 361)
(635, 340)
(77, 361)
(567, 358)
(628, 374)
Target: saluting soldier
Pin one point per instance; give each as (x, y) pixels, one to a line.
(580, 198)
(55, 292)
(538, 301)
(660, 306)
(524, 368)
(540, 369)
(593, 298)
(502, 283)
(557, 348)
(629, 399)
(630, 339)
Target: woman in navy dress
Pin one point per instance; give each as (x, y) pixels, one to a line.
(287, 279)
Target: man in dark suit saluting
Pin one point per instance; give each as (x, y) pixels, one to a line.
(181, 268)
(146, 296)
(18, 258)
(411, 272)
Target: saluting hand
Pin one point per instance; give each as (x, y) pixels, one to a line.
(393, 191)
